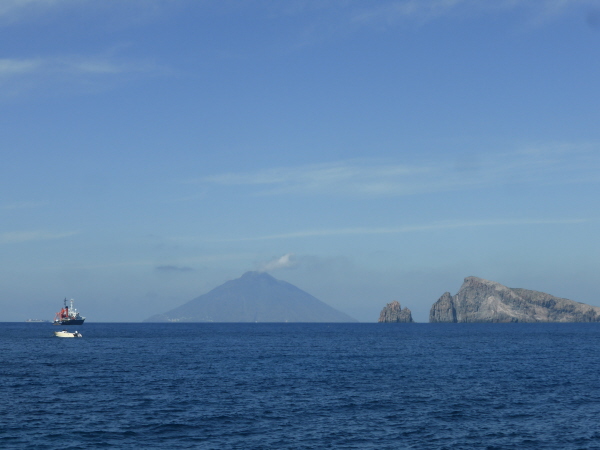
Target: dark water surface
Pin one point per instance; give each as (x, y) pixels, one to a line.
(301, 386)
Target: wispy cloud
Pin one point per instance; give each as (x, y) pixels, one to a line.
(18, 11)
(539, 165)
(8, 7)
(76, 65)
(393, 10)
(18, 75)
(343, 17)
(171, 268)
(335, 178)
(325, 16)
(181, 265)
(446, 225)
(18, 67)
(18, 237)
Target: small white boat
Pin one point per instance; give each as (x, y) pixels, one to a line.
(67, 334)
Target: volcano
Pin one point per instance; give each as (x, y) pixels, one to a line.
(254, 297)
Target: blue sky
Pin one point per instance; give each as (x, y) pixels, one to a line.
(363, 151)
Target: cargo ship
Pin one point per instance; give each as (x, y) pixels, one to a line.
(68, 315)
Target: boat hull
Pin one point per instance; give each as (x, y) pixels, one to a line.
(67, 334)
(69, 322)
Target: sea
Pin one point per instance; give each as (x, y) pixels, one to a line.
(300, 386)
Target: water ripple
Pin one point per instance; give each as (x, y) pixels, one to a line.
(302, 386)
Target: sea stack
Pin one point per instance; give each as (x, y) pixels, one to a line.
(480, 300)
(393, 313)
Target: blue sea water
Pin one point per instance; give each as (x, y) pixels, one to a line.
(301, 386)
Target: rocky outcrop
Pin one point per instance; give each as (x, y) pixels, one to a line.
(393, 313)
(443, 310)
(480, 300)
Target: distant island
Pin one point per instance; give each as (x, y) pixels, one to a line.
(254, 297)
(480, 300)
(393, 313)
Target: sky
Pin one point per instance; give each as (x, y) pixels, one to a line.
(365, 152)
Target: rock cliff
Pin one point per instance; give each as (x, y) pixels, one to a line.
(480, 300)
(393, 313)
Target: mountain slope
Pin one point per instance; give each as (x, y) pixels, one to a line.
(254, 297)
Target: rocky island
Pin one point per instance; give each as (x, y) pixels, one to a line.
(480, 300)
(393, 313)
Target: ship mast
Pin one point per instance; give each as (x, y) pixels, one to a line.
(73, 310)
